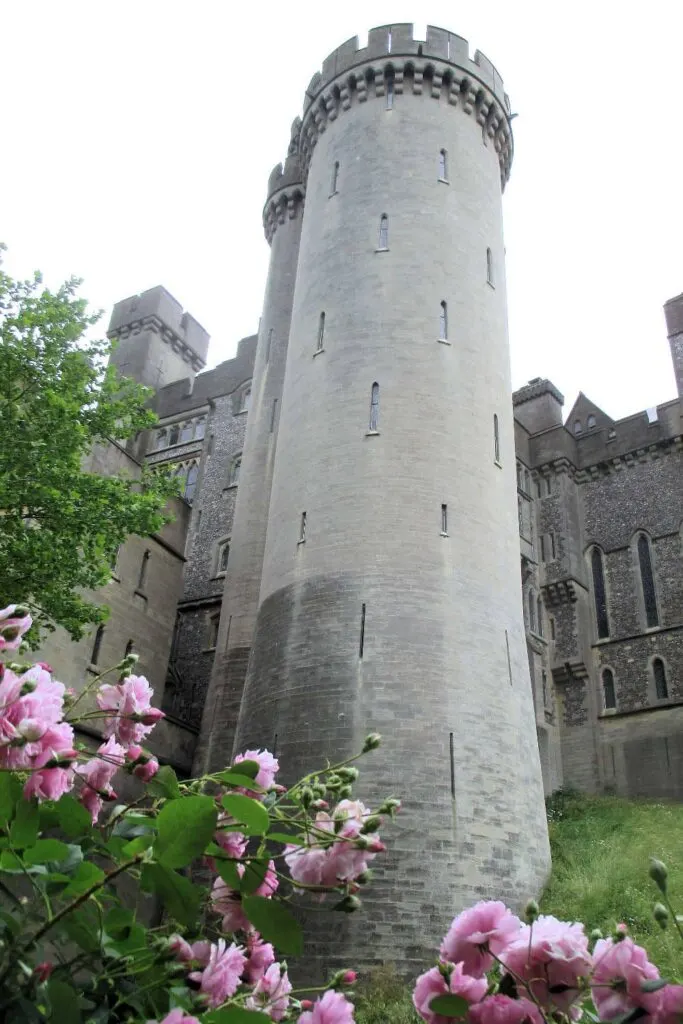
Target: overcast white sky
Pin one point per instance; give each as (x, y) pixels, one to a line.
(139, 135)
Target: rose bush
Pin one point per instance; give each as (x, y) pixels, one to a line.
(214, 863)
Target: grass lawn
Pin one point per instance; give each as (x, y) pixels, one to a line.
(601, 848)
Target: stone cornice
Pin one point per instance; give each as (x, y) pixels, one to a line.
(155, 325)
(569, 671)
(432, 78)
(287, 204)
(562, 592)
(627, 460)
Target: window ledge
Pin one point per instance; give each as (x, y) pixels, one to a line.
(607, 712)
(372, 433)
(537, 636)
(385, 249)
(241, 412)
(230, 487)
(444, 181)
(209, 650)
(219, 575)
(318, 352)
(497, 463)
(443, 341)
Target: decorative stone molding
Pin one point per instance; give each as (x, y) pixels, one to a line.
(156, 326)
(284, 205)
(563, 592)
(569, 671)
(649, 453)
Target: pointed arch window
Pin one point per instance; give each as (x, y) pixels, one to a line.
(443, 165)
(142, 578)
(246, 399)
(174, 434)
(383, 242)
(599, 594)
(161, 438)
(496, 440)
(590, 422)
(659, 676)
(212, 638)
(321, 333)
(223, 555)
(609, 696)
(374, 408)
(235, 471)
(531, 601)
(577, 426)
(129, 648)
(539, 615)
(390, 92)
(191, 482)
(647, 581)
(186, 432)
(335, 178)
(199, 428)
(97, 644)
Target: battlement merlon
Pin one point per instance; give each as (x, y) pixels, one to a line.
(157, 310)
(396, 41)
(534, 389)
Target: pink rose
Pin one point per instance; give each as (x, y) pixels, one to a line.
(260, 956)
(620, 969)
(176, 1016)
(13, 625)
(181, 949)
(433, 984)
(147, 769)
(550, 954)
(669, 1006)
(233, 843)
(133, 716)
(228, 902)
(503, 1010)
(271, 993)
(345, 859)
(268, 766)
(221, 976)
(332, 1008)
(97, 774)
(484, 929)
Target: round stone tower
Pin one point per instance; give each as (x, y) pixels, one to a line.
(390, 597)
(282, 218)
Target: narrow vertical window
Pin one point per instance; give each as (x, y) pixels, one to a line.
(489, 268)
(539, 615)
(647, 581)
(129, 648)
(199, 428)
(374, 407)
(444, 520)
(383, 232)
(389, 41)
(496, 439)
(161, 439)
(361, 643)
(544, 686)
(551, 622)
(143, 571)
(321, 333)
(443, 322)
(335, 176)
(223, 556)
(443, 165)
(390, 94)
(659, 673)
(97, 643)
(577, 426)
(174, 434)
(590, 422)
(302, 528)
(543, 547)
(532, 611)
(599, 594)
(191, 482)
(451, 751)
(609, 697)
(269, 344)
(212, 639)
(186, 432)
(272, 416)
(548, 486)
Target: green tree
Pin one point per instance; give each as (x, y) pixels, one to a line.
(61, 525)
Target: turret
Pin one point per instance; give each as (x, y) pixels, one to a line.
(157, 342)
(673, 311)
(390, 595)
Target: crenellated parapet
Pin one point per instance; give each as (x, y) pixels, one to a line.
(439, 68)
(285, 197)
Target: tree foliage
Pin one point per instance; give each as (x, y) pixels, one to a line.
(61, 524)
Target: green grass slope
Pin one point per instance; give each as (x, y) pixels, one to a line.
(601, 849)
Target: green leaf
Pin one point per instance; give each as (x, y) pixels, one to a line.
(138, 845)
(118, 922)
(11, 862)
(24, 830)
(653, 984)
(449, 1006)
(64, 1003)
(254, 873)
(236, 778)
(227, 869)
(185, 828)
(248, 768)
(275, 923)
(74, 820)
(45, 850)
(164, 783)
(10, 794)
(85, 875)
(250, 813)
(180, 897)
(82, 927)
(235, 1015)
(10, 922)
(283, 837)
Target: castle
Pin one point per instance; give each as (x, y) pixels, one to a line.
(347, 556)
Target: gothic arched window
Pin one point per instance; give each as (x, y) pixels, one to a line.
(383, 232)
(531, 600)
(235, 469)
(223, 555)
(97, 643)
(161, 438)
(374, 407)
(191, 482)
(443, 165)
(186, 432)
(246, 399)
(647, 581)
(577, 426)
(539, 615)
(659, 675)
(590, 422)
(174, 434)
(609, 697)
(199, 428)
(599, 594)
(142, 578)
